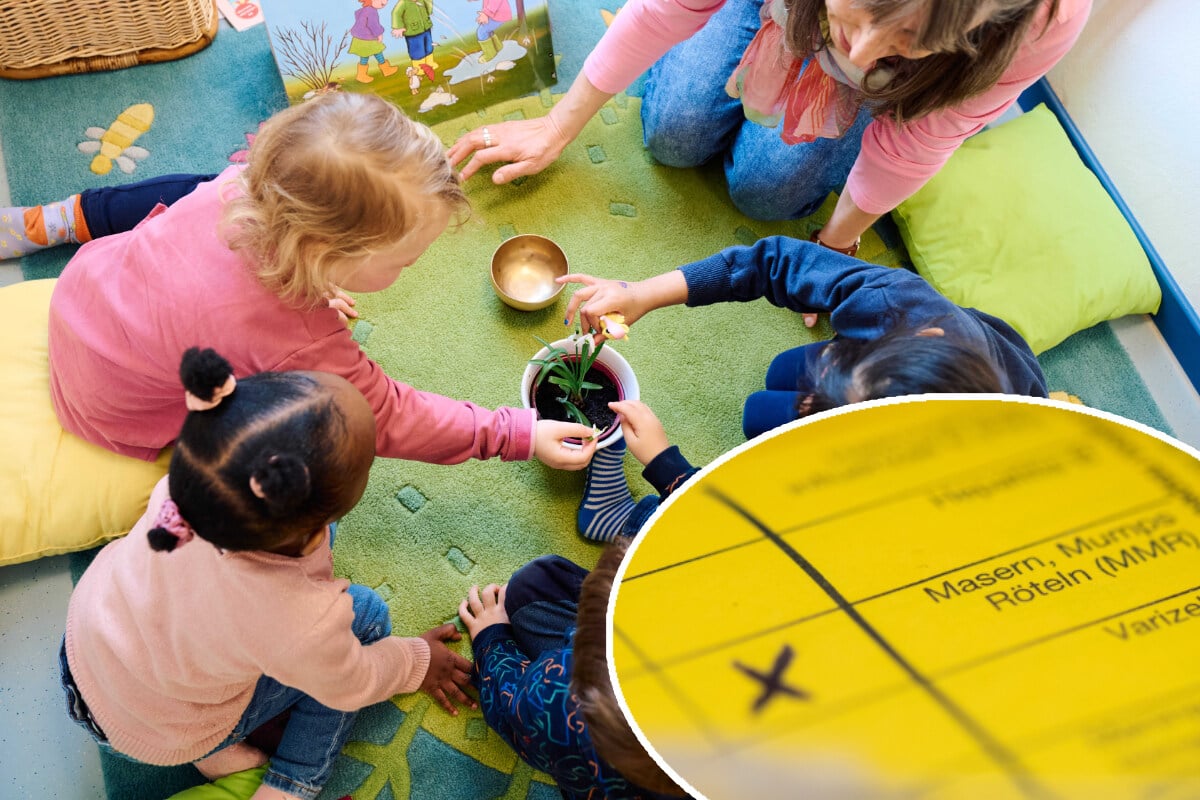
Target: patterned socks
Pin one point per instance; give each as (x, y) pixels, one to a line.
(27, 230)
(607, 502)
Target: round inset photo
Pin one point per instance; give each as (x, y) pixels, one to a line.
(935, 598)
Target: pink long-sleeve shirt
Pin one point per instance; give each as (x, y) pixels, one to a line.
(895, 161)
(167, 648)
(128, 305)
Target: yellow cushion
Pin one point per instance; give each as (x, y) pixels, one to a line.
(58, 493)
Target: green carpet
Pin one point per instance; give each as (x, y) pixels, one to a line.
(423, 534)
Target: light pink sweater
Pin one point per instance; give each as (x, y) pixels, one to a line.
(167, 648)
(894, 161)
(128, 305)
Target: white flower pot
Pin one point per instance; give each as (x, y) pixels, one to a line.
(612, 363)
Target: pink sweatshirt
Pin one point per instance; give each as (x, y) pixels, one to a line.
(128, 305)
(894, 161)
(167, 648)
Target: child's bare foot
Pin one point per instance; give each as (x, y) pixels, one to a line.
(229, 760)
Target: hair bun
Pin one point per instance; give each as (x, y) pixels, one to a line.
(162, 539)
(283, 480)
(203, 372)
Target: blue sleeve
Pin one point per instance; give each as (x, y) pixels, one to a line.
(667, 471)
(864, 300)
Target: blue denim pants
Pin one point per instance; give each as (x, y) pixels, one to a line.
(688, 119)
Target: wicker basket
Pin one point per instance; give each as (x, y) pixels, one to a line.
(40, 38)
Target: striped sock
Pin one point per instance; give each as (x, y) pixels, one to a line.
(607, 502)
(25, 230)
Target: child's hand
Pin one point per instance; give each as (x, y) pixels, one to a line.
(644, 433)
(482, 609)
(342, 303)
(601, 297)
(448, 673)
(548, 444)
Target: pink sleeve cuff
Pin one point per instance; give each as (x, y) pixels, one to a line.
(418, 649)
(528, 432)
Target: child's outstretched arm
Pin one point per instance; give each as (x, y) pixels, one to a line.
(790, 273)
(423, 426)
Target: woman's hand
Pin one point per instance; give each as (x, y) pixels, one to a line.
(548, 444)
(643, 431)
(482, 610)
(528, 145)
(449, 673)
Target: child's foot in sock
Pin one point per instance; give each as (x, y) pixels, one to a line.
(27, 230)
(607, 502)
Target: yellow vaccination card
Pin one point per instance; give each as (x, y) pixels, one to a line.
(951, 598)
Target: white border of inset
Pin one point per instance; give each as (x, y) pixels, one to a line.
(848, 409)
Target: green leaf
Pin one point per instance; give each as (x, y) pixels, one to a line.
(574, 413)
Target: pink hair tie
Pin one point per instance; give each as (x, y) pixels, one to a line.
(170, 521)
(195, 403)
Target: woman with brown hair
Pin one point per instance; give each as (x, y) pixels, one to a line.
(801, 97)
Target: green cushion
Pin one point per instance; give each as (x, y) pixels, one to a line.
(238, 786)
(1017, 226)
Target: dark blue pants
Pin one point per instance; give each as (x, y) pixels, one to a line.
(790, 377)
(541, 601)
(116, 209)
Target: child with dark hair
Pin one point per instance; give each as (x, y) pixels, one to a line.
(219, 610)
(894, 333)
(542, 672)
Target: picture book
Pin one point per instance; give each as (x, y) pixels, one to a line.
(435, 59)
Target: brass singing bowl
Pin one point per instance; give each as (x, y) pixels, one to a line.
(523, 271)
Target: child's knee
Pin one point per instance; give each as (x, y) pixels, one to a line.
(544, 578)
(372, 617)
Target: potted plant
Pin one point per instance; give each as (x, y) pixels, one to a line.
(574, 380)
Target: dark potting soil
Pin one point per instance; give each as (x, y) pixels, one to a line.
(595, 402)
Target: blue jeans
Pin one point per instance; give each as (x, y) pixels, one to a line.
(116, 209)
(689, 119)
(314, 734)
(789, 377)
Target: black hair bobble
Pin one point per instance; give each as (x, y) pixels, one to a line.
(203, 372)
(284, 481)
(162, 539)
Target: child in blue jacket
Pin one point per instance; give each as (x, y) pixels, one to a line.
(894, 333)
(540, 644)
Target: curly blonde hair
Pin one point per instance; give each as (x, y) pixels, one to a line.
(334, 179)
